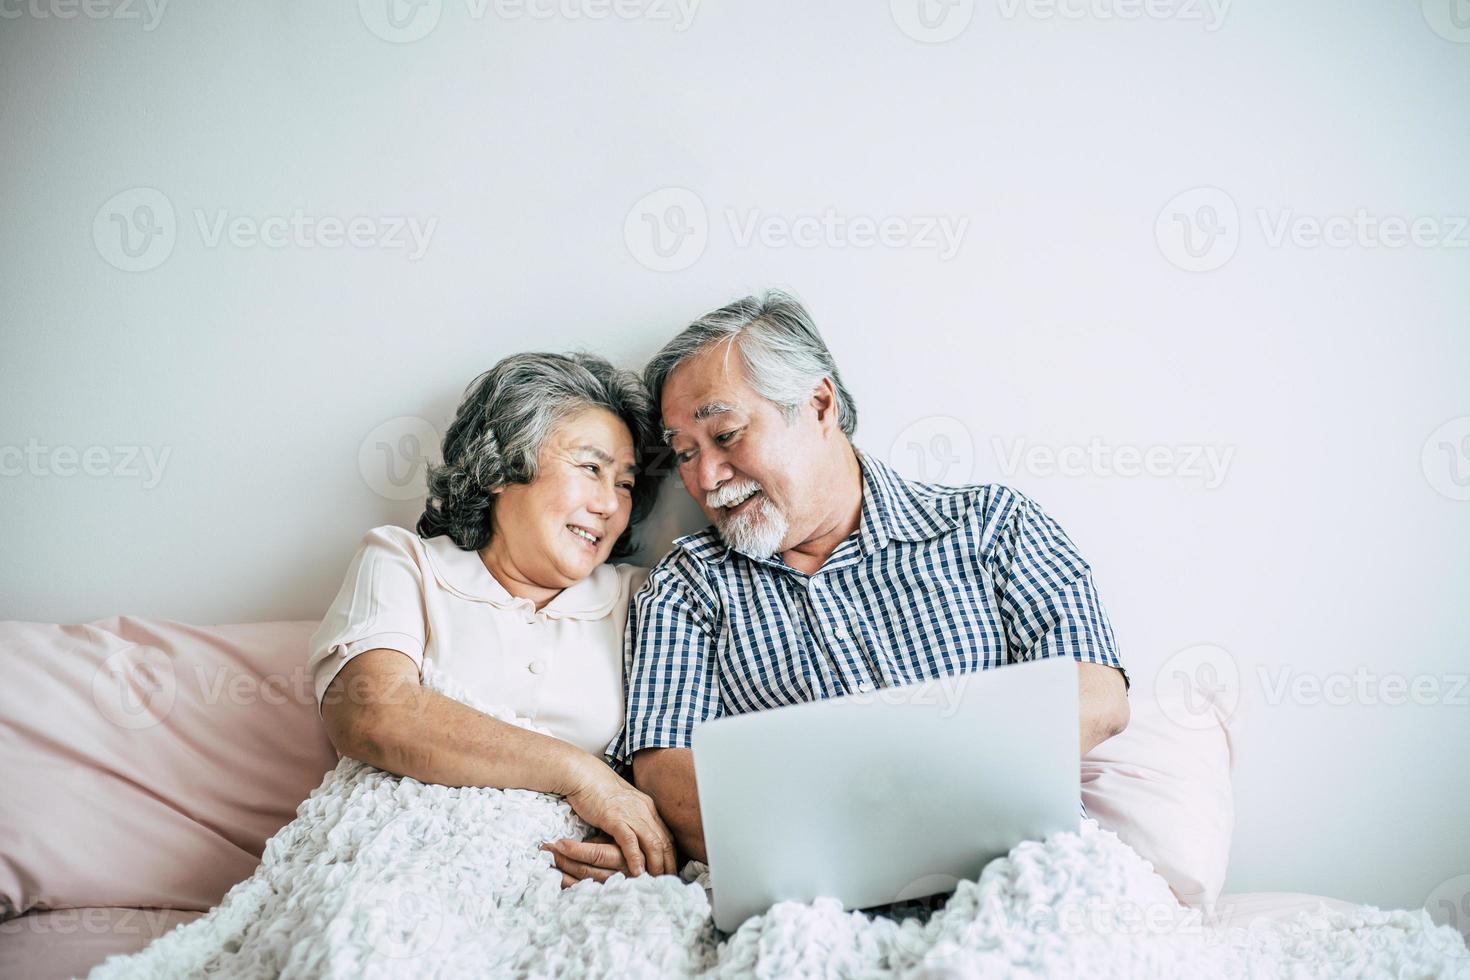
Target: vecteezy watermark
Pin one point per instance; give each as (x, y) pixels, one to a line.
(1450, 19)
(1208, 464)
(1449, 905)
(135, 230)
(301, 230)
(150, 12)
(1210, 13)
(932, 21)
(642, 929)
(140, 687)
(915, 943)
(1362, 687)
(934, 449)
(1198, 687)
(1102, 916)
(90, 922)
(668, 230)
(404, 914)
(940, 233)
(942, 693)
(1445, 458)
(35, 458)
(405, 21)
(1362, 229)
(400, 21)
(394, 457)
(135, 688)
(1200, 230)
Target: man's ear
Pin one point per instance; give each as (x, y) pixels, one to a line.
(824, 402)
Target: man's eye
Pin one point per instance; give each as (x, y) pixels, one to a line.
(725, 437)
(684, 457)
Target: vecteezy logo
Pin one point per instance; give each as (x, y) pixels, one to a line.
(405, 915)
(394, 457)
(135, 230)
(135, 688)
(932, 21)
(1446, 458)
(400, 21)
(1449, 905)
(1199, 230)
(1198, 687)
(1450, 19)
(936, 449)
(667, 230)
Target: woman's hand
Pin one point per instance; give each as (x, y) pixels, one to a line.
(633, 839)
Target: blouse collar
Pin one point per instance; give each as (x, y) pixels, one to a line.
(464, 574)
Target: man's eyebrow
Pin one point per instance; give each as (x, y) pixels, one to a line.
(700, 414)
(713, 408)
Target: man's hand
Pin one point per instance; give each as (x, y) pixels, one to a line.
(598, 858)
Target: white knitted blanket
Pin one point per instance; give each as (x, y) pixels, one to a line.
(381, 876)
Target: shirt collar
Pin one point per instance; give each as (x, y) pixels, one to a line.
(464, 574)
(893, 510)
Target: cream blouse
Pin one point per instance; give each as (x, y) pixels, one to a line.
(561, 666)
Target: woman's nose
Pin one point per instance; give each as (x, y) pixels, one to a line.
(605, 500)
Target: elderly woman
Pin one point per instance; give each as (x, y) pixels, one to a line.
(506, 588)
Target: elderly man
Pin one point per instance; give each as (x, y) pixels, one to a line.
(825, 573)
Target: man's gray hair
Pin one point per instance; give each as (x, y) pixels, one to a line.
(782, 351)
(506, 415)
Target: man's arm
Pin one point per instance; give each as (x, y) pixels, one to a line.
(667, 775)
(672, 686)
(1104, 706)
(1051, 609)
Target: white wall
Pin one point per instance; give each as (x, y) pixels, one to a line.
(1335, 540)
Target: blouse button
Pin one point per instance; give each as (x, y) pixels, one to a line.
(534, 667)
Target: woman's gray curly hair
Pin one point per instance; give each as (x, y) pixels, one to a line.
(501, 424)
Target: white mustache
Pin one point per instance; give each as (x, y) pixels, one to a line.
(731, 492)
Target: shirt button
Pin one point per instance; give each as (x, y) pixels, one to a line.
(865, 688)
(535, 667)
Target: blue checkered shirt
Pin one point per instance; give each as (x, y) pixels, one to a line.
(935, 581)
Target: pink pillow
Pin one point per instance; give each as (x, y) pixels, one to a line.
(148, 761)
(1163, 786)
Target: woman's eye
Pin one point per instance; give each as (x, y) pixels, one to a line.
(626, 486)
(592, 468)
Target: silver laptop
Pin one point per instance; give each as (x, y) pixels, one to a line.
(890, 795)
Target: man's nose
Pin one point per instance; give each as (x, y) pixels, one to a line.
(713, 471)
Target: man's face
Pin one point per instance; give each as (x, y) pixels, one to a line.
(753, 474)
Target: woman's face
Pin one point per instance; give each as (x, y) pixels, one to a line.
(558, 528)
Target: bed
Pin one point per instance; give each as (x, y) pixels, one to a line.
(151, 761)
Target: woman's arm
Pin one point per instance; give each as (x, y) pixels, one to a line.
(376, 711)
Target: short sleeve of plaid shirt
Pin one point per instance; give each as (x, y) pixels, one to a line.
(669, 646)
(1049, 605)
